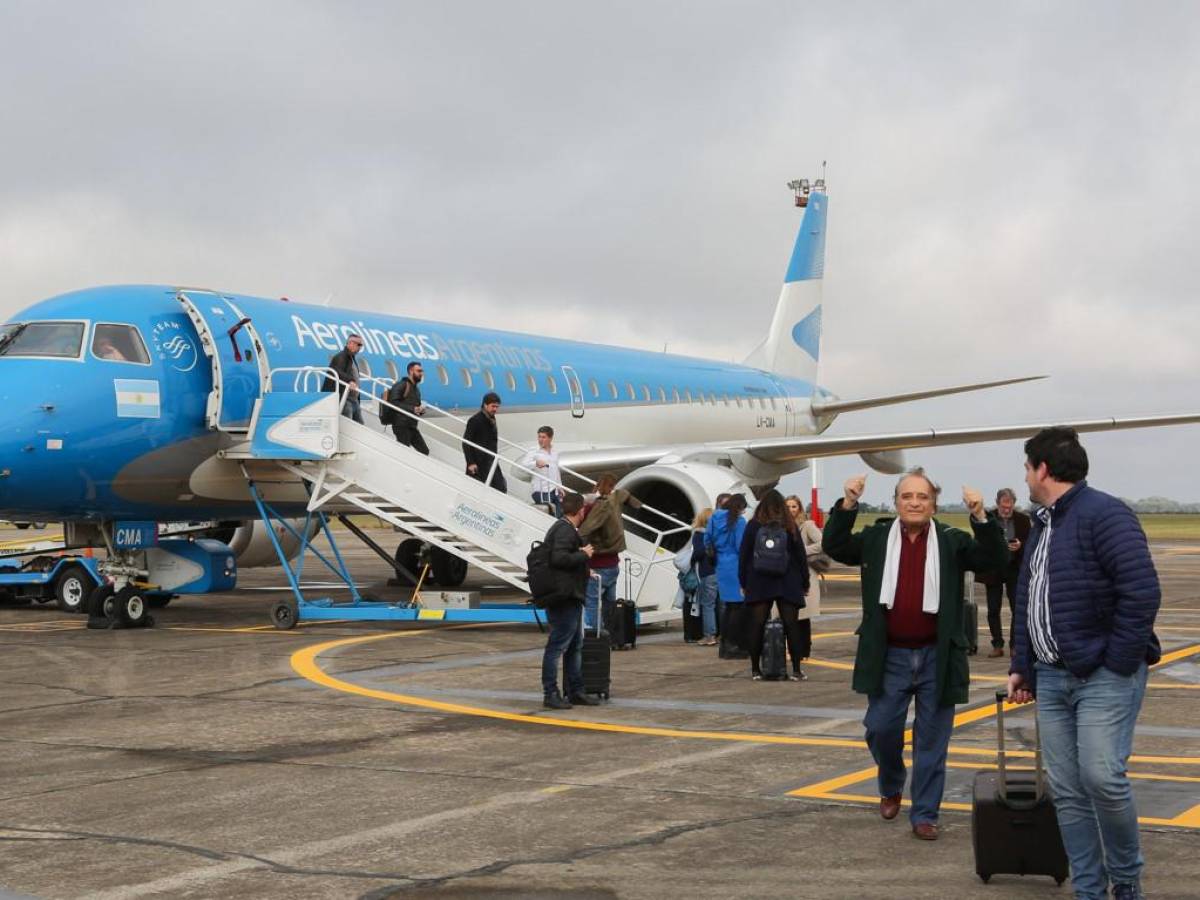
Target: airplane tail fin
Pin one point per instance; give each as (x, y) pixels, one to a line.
(793, 344)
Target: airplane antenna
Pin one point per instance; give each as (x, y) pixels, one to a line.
(801, 188)
(328, 299)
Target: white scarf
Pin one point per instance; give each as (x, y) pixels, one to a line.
(891, 569)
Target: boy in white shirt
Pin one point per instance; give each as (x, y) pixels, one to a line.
(543, 459)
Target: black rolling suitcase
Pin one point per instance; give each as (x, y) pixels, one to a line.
(1014, 830)
(773, 661)
(733, 632)
(597, 661)
(693, 622)
(620, 618)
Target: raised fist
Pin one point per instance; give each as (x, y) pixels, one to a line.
(973, 501)
(854, 488)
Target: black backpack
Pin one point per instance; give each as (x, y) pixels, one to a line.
(771, 550)
(542, 583)
(387, 415)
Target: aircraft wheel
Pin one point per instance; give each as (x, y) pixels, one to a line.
(21, 525)
(448, 570)
(72, 588)
(130, 608)
(100, 606)
(408, 555)
(284, 614)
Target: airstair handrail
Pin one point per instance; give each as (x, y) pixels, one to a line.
(386, 384)
(301, 382)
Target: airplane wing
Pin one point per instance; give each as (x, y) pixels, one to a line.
(780, 450)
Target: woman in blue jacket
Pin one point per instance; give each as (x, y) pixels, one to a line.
(723, 536)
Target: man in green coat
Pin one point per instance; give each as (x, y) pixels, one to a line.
(912, 641)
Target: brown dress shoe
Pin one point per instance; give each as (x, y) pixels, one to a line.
(925, 831)
(996, 651)
(889, 806)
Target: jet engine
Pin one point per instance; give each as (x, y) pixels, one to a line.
(251, 544)
(680, 490)
(889, 462)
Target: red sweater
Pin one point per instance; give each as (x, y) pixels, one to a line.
(908, 625)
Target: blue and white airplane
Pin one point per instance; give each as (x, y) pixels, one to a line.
(117, 400)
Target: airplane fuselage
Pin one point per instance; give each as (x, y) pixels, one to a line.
(88, 436)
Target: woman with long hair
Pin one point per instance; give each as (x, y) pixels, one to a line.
(723, 538)
(810, 534)
(706, 594)
(782, 585)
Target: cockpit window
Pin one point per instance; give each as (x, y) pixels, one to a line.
(42, 339)
(119, 343)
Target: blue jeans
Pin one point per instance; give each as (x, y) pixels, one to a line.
(1087, 736)
(352, 408)
(565, 641)
(707, 598)
(549, 498)
(605, 593)
(908, 674)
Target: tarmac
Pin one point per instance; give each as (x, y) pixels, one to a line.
(214, 756)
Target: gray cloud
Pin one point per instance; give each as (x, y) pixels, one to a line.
(1013, 188)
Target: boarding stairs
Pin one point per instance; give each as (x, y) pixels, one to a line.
(351, 467)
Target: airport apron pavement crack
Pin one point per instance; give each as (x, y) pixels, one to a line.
(647, 840)
(15, 834)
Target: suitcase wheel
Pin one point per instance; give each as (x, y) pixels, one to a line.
(1059, 881)
(986, 878)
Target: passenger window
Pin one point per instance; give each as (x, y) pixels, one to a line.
(119, 343)
(551, 384)
(466, 377)
(612, 389)
(510, 380)
(662, 395)
(687, 394)
(699, 396)
(392, 370)
(773, 406)
(737, 400)
(594, 388)
(443, 375)
(630, 390)
(762, 403)
(674, 395)
(488, 380)
(646, 393)
(364, 367)
(712, 399)
(532, 382)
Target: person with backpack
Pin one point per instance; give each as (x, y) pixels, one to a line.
(604, 527)
(405, 395)
(773, 572)
(565, 557)
(723, 541)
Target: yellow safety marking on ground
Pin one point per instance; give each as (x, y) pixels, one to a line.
(1176, 655)
(842, 576)
(1141, 776)
(1188, 819)
(557, 788)
(55, 625)
(832, 634)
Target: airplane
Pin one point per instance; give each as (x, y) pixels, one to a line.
(128, 404)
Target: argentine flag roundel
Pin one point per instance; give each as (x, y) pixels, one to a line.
(136, 398)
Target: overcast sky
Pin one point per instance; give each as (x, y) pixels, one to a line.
(1013, 186)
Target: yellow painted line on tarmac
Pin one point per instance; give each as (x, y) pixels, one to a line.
(842, 576)
(1176, 655)
(1140, 776)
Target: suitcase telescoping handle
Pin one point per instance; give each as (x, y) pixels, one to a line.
(599, 601)
(1039, 785)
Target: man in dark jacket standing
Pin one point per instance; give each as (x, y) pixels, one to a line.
(912, 640)
(1087, 598)
(1016, 531)
(345, 366)
(405, 394)
(482, 431)
(564, 609)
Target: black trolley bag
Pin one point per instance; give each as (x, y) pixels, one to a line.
(693, 622)
(597, 659)
(620, 618)
(773, 660)
(1014, 830)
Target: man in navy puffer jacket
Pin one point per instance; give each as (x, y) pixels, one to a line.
(1083, 639)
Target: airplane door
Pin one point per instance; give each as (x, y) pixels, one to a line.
(239, 361)
(575, 390)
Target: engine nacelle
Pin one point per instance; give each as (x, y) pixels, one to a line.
(889, 462)
(680, 490)
(251, 544)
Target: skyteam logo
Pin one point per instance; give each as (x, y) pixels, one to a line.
(174, 346)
